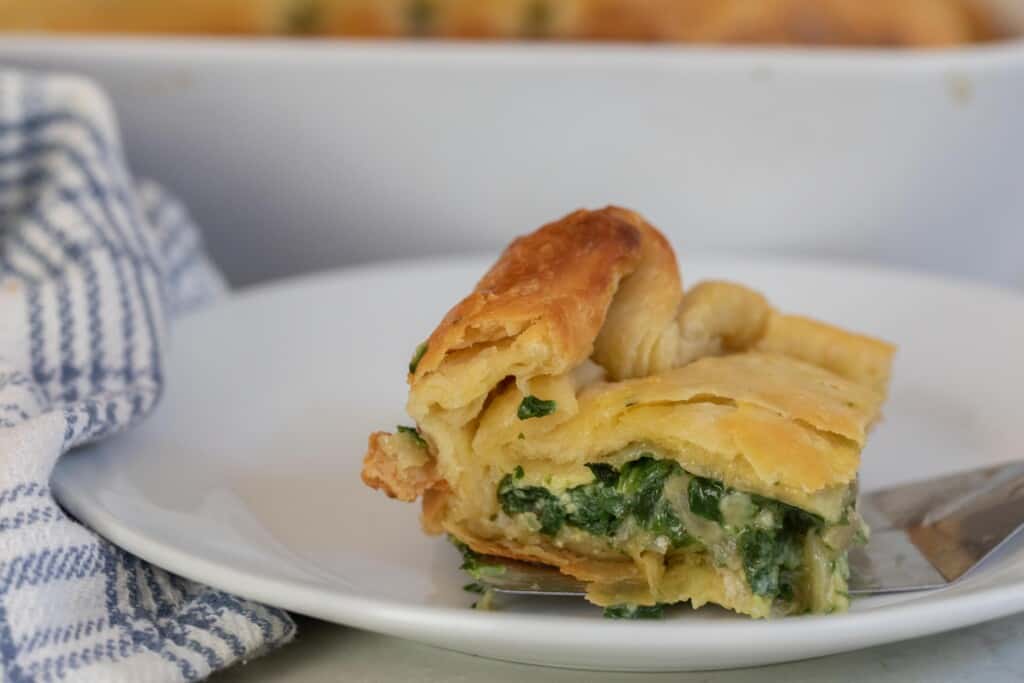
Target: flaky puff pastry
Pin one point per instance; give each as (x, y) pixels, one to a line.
(589, 312)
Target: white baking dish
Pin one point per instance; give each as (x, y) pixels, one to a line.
(300, 155)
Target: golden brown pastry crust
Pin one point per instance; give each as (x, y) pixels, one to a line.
(856, 357)
(384, 469)
(561, 278)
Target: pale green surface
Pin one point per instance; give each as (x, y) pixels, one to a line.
(324, 652)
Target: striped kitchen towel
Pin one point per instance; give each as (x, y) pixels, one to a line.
(94, 267)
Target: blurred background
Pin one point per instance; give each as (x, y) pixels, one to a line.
(311, 134)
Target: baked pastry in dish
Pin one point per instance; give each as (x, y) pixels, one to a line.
(581, 410)
(883, 23)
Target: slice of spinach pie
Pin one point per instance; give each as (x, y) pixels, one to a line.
(580, 409)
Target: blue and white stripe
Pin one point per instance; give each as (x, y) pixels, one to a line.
(93, 268)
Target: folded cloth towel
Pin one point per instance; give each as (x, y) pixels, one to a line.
(93, 269)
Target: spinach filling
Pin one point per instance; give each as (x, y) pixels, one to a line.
(764, 537)
(704, 496)
(772, 556)
(603, 505)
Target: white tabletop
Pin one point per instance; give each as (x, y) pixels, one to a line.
(325, 652)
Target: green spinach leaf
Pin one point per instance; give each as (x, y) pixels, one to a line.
(596, 508)
(761, 554)
(532, 407)
(474, 564)
(665, 522)
(705, 495)
(643, 481)
(417, 356)
(536, 499)
(604, 473)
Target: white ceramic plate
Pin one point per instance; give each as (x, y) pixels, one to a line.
(247, 477)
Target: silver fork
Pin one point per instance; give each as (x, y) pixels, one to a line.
(924, 535)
